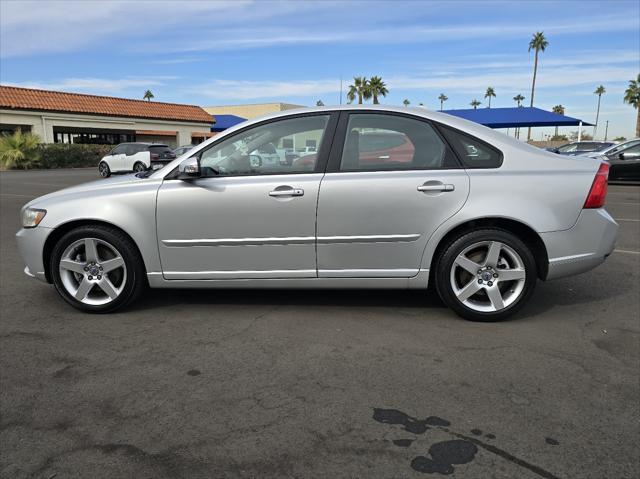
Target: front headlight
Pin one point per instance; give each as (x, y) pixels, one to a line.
(31, 217)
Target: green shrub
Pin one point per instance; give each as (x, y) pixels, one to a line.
(63, 155)
(20, 150)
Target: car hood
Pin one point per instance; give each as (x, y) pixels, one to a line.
(98, 187)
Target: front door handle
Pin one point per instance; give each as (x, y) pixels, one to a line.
(436, 187)
(287, 192)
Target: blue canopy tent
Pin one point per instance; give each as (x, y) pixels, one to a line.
(226, 121)
(516, 117)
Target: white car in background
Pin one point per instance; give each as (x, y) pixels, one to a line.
(136, 157)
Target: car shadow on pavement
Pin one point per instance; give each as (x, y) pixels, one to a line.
(157, 298)
(548, 295)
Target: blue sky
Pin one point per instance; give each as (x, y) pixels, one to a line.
(229, 52)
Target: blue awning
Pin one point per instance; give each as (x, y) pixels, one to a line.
(226, 121)
(515, 117)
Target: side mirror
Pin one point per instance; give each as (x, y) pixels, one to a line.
(189, 169)
(621, 156)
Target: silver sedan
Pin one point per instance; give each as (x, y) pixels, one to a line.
(391, 198)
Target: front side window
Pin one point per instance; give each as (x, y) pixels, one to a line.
(631, 153)
(261, 150)
(473, 152)
(376, 142)
(119, 150)
(621, 148)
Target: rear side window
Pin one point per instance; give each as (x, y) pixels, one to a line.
(473, 153)
(132, 149)
(376, 142)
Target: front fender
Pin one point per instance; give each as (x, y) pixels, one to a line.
(129, 207)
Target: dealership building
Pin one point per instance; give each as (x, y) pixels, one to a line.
(59, 117)
(250, 110)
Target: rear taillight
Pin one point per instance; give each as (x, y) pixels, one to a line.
(154, 156)
(598, 191)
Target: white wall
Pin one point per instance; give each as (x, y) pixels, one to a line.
(42, 123)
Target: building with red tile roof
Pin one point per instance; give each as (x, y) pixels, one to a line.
(61, 117)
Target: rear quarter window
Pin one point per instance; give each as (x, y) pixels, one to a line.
(472, 152)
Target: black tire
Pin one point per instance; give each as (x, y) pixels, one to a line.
(456, 246)
(135, 282)
(139, 167)
(103, 170)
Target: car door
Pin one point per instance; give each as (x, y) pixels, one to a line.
(625, 164)
(376, 212)
(134, 153)
(116, 158)
(242, 219)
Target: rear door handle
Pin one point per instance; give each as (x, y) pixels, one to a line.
(288, 192)
(438, 187)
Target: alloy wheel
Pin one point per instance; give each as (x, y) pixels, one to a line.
(103, 169)
(488, 276)
(93, 271)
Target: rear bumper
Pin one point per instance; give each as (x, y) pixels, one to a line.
(582, 247)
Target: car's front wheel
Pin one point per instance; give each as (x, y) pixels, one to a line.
(97, 269)
(486, 274)
(103, 170)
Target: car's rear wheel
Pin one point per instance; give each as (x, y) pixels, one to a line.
(103, 170)
(97, 269)
(138, 167)
(486, 275)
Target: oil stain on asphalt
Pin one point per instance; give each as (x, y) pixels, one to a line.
(444, 455)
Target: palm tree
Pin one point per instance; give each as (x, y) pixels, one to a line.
(377, 88)
(319, 103)
(518, 99)
(559, 110)
(406, 102)
(599, 91)
(538, 43)
(19, 150)
(359, 88)
(442, 99)
(490, 93)
(475, 103)
(632, 97)
(148, 95)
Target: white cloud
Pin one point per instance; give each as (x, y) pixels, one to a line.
(262, 36)
(102, 86)
(252, 90)
(466, 81)
(28, 28)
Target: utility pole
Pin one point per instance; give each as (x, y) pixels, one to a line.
(606, 130)
(341, 89)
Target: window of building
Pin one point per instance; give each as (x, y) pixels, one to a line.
(64, 135)
(287, 143)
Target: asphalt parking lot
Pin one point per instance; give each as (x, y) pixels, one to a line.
(319, 383)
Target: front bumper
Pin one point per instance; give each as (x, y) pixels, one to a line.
(582, 247)
(31, 247)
